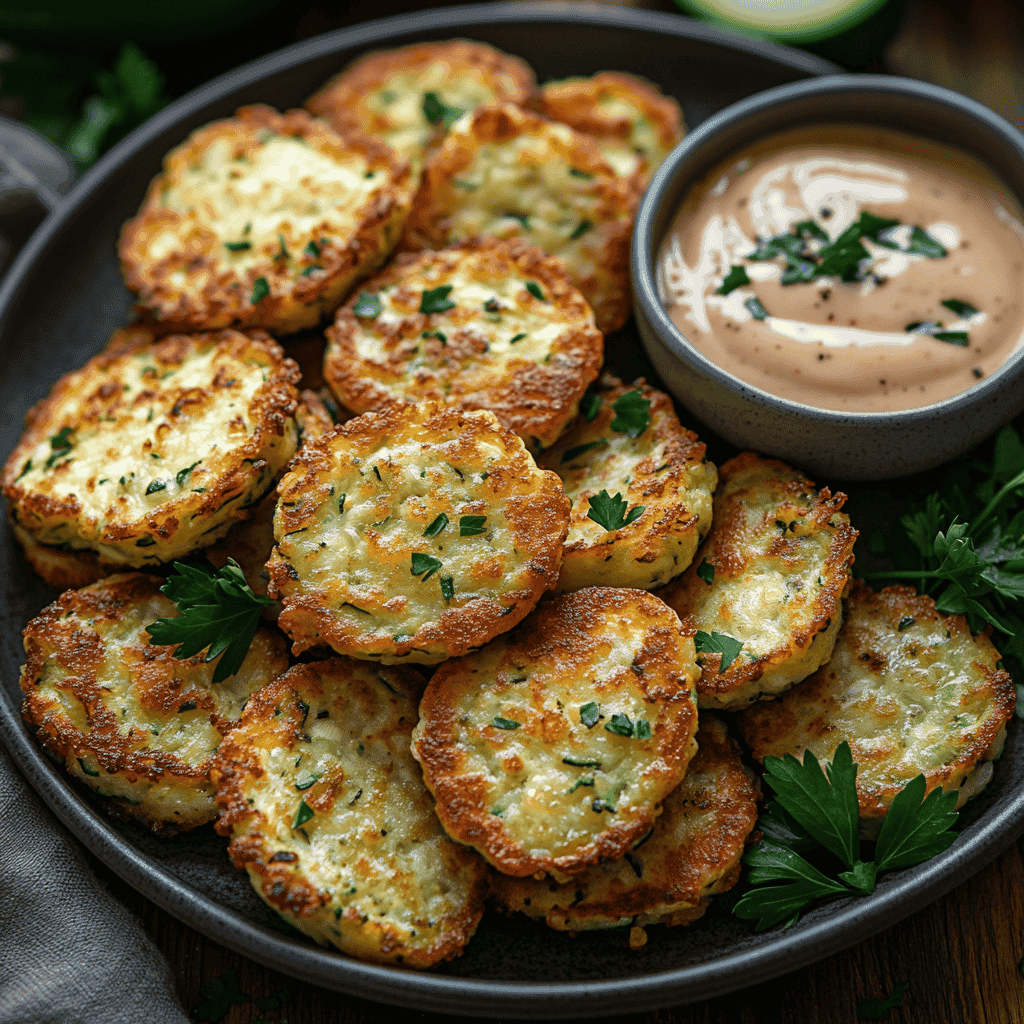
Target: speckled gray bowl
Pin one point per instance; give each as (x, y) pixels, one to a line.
(850, 446)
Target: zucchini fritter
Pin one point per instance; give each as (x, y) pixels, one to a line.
(553, 747)
(416, 533)
(912, 692)
(508, 173)
(411, 97)
(504, 330)
(779, 556)
(152, 450)
(663, 469)
(692, 852)
(328, 814)
(263, 220)
(635, 125)
(129, 719)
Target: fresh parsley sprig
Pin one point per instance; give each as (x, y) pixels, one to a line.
(815, 812)
(218, 612)
(611, 512)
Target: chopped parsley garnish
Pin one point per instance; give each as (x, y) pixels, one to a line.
(959, 307)
(924, 327)
(218, 611)
(905, 623)
(812, 228)
(341, 504)
(755, 309)
(643, 729)
(60, 445)
(706, 571)
(260, 290)
(506, 723)
(621, 725)
(424, 565)
(312, 249)
(88, 771)
(581, 229)
(436, 526)
(576, 172)
(183, 474)
(308, 781)
(435, 300)
(436, 111)
(590, 406)
(600, 805)
(440, 335)
(736, 278)
(589, 714)
(587, 780)
(517, 337)
(924, 245)
(535, 290)
(718, 643)
(492, 305)
(447, 587)
(817, 812)
(156, 485)
(953, 337)
(303, 814)
(237, 246)
(611, 513)
(571, 453)
(24, 470)
(580, 762)
(471, 526)
(632, 414)
(282, 249)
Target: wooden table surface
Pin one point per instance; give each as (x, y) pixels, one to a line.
(960, 956)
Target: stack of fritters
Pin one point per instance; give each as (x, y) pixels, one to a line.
(475, 461)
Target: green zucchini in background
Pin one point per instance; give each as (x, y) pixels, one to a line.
(852, 33)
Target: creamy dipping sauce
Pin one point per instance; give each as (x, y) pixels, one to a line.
(929, 241)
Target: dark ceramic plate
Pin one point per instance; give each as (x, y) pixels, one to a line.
(58, 305)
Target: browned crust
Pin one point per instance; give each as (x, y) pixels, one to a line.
(729, 558)
(682, 450)
(61, 568)
(761, 722)
(563, 633)
(458, 630)
(238, 764)
(341, 100)
(430, 224)
(719, 789)
(61, 635)
(295, 300)
(575, 102)
(269, 411)
(534, 401)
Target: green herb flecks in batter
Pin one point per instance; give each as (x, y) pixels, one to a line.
(435, 300)
(437, 112)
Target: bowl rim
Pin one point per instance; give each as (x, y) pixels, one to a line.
(644, 245)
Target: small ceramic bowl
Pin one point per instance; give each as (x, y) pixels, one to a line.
(844, 445)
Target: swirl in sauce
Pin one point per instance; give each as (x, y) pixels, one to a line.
(843, 345)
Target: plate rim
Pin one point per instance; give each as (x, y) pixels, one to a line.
(819, 934)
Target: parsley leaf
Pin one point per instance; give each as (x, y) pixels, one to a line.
(436, 111)
(736, 278)
(447, 587)
(924, 245)
(436, 526)
(368, 304)
(632, 414)
(425, 565)
(589, 714)
(706, 571)
(755, 309)
(914, 829)
(590, 406)
(219, 995)
(535, 290)
(472, 526)
(237, 246)
(959, 307)
(610, 512)
(718, 643)
(880, 1009)
(435, 300)
(60, 445)
(581, 229)
(621, 725)
(506, 723)
(218, 611)
(953, 337)
(303, 814)
(260, 290)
